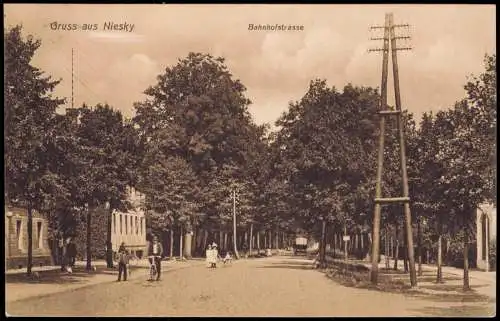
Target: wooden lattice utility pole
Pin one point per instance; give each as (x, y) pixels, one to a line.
(389, 34)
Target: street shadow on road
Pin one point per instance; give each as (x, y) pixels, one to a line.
(79, 275)
(289, 265)
(447, 287)
(297, 257)
(458, 311)
(452, 294)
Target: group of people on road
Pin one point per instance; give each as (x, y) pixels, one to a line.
(212, 256)
(154, 255)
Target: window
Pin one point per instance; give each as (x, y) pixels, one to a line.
(142, 229)
(39, 234)
(131, 225)
(121, 224)
(18, 234)
(114, 223)
(126, 225)
(136, 226)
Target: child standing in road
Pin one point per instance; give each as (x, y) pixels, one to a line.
(215, 255)
(228, 258)
(208, 255)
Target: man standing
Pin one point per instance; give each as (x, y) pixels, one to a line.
(71, 253)
(123, 258)
(155, 249)
(62, 251)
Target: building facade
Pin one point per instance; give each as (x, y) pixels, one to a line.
(16, 238)
(130, 227)
(486, 225)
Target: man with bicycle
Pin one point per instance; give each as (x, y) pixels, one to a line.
(155, 253)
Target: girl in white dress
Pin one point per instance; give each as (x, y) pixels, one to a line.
(215, 255)
(208, 255)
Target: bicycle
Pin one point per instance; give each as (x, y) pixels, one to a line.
(152, 268)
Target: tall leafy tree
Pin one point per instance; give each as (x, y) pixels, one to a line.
(169, 183)
(109, 154)
(326, 145)
(29, 120)
(209, 111)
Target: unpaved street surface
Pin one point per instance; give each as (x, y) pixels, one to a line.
(277, 286)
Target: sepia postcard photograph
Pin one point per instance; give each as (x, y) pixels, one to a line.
(238, 160)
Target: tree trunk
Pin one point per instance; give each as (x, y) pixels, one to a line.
(446, 249)
(334, 244)
(362, 241)
(180, 242)
(221, 238)
(396, 250)
(405, 257)
(466, 261)
(439, 277)
(391, 246)
(323, 245)
(419, 247)
(277, 245)
(234, 226)
(30, 239)
(194, 249)
(370, 243)
(405, 250)
(258, 242)
(205, 240)
(171, 242)
(188, 237)
(346, 255)
(386, 249)
(356, 245)
(109, 245)
(89, 238)
(225, 241)
(251, 238)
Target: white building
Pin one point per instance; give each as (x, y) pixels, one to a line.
(130, 227)
(486, 225)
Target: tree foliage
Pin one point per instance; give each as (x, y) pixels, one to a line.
(29, 127)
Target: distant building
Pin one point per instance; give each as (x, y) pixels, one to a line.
(16, 238)
(130, 227)
(486, 225)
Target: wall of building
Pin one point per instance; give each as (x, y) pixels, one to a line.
(130, 227)
(16, 238)
(486, 225)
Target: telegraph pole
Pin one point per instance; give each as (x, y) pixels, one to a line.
(389, 33)
(72, 79)
(380, 157)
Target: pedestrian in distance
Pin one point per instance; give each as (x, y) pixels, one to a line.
(215, 255)
(62, 251)
(155, 253)
(208, 255)
(245, 250)
(228, 258)
(71, 255)
(123, 259)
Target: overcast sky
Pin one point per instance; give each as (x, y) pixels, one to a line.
(449, 43)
